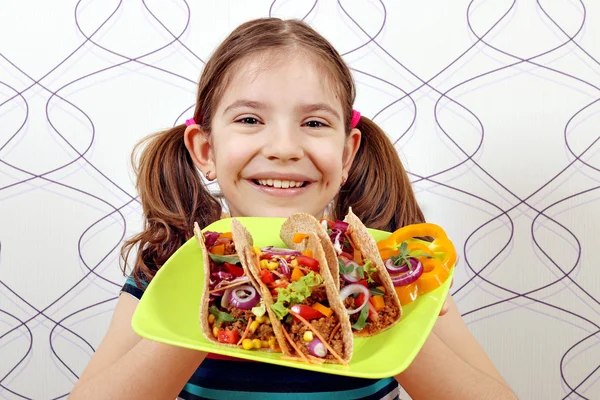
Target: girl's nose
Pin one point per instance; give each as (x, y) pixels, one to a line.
(283, 144)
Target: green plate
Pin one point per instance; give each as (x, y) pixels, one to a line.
(169, 312)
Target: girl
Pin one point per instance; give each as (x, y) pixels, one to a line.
(274, 123)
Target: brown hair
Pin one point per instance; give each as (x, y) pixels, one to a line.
(173, 195)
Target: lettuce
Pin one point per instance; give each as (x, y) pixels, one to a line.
(296, 293)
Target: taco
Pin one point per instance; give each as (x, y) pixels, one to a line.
(364, 285)
(232, 309)
(308, 316)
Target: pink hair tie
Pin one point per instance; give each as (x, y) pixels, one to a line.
(355, 119)
(189, 122)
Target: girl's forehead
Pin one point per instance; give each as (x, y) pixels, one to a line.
(280, 77)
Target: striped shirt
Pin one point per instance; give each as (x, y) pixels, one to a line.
(228, 378)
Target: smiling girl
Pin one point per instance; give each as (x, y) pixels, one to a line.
(274, 122)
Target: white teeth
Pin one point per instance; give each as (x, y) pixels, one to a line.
(277, 183)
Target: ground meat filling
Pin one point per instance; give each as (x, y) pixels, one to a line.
(323, 325)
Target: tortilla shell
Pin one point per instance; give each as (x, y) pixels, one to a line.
(314, 244)
(368, 247)
(304, 223)
(204, 301)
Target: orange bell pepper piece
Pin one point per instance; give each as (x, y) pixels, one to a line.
(307, 253)
(377, 302)
(299, 237)
(416, 246)
(389, 243)
(218, 249)
(296, 274)
(387, 253)
(226, 235)
(358, 257)
(417, 230)
(407, 294)
(433, 276)
(326, 311)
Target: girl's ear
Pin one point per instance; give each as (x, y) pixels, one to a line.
(350, 150)
(200, 148)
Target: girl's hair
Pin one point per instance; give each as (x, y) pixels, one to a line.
(173, 195)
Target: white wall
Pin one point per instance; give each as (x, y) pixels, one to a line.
(508, 161)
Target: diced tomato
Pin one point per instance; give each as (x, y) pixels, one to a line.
(363, 282)
(227, 336)
(373, 316)
(233, 269)
(306, 312)
(266, 276)
(309, 262)
(265, 256)
(359, 300)
(278, 285)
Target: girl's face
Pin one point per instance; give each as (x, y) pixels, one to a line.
(278, 144)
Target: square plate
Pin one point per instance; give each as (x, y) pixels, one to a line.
(169, 312)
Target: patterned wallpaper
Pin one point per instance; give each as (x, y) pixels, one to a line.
(494, 107)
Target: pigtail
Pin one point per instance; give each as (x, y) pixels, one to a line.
(173, 196)
(378, 188)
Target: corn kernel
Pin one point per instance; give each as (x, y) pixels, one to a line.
(257, 251)
(256, 343)
(272, 342)
(308, 336)
(267, 321)
(263, 319)
(264, 264)
(254, 326)
(247, 344)
(211, 319)
(264, 344)
(216, 331)
(294, 263)
(272, 266)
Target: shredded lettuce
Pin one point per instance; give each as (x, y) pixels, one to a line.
(295, 293)
(219, 259)
(362, 319)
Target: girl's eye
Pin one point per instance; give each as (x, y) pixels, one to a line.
(315, 124)
(248, 121)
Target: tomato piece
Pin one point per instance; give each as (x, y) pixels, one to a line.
(346, 256)
(234, 269)
(266, 276)
(364, 283)
(227, 336)
(359, 300)
(306, 312)
(309, 263)
(373, 316)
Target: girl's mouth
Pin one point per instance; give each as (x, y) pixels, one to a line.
(280, 187)
(280, 183)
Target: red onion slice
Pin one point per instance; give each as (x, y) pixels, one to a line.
(396, 269)
(284, 267)
(225, 298)
(353, 276)
(244, 297)
(350, 290)
(278, 251)
(317, 348)
(341, 226)
(410, 276)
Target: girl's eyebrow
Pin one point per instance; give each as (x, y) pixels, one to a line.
(245, 104)
(309, 108)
